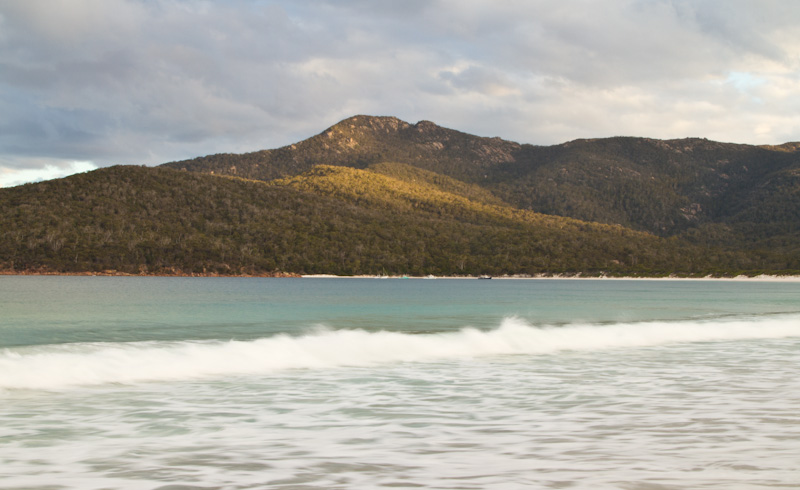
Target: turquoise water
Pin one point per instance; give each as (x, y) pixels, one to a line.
(49, 310)
(124, 382)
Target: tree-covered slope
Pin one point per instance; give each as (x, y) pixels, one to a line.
(330, 220)
(375, 195)
(664, 187)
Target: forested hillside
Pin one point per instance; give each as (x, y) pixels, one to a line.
(329, 220)
(380, 196)
(709, 192)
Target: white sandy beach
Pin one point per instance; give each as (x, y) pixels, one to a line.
(760, 278)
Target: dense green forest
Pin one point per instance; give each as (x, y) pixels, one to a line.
(381, 196)
(330, 220)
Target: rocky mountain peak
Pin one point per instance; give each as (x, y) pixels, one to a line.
(360, 123)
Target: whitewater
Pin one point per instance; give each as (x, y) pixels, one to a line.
(189, 383)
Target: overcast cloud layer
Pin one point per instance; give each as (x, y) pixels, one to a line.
(89, 83)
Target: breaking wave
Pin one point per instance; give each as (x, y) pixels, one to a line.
(81, 364)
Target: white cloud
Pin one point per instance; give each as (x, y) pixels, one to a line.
(10, 177)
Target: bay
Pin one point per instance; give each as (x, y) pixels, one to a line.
(125, 382)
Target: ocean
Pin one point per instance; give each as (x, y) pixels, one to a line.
(312, 383)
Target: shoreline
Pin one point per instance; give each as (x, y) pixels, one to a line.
(114, 273)
(555, 277)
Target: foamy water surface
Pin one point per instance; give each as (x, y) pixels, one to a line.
(666, 394)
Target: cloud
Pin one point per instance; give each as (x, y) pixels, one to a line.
(10, 177)
(149, 81)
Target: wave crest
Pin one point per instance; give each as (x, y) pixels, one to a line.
(62, 366)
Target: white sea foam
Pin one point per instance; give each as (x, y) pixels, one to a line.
(60, 366)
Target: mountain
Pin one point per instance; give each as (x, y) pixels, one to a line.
(376, 195)
(692, 187)
(361, 141)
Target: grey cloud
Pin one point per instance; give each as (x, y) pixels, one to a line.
(480, 80)
(619, 42)
(125, 81)
(744, 26)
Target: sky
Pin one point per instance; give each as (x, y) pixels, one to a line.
(91, 83)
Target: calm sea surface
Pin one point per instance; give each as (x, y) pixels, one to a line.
(249, 383)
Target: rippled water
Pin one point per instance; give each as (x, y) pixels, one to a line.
(685, 397)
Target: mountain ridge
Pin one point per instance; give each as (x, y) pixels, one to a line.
(662, 186)
(376, 195)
